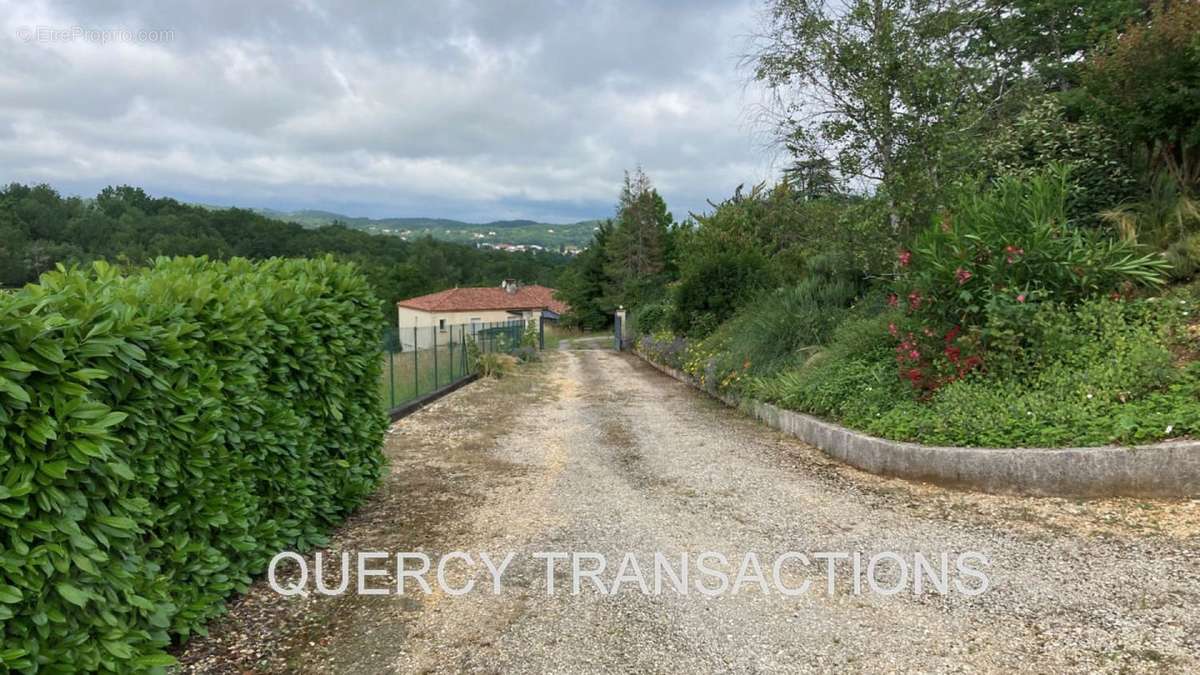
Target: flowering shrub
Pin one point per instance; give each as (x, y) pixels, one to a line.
(664, 348)
(928, 359)
(989, 260)
(1014, 242)
(1102, 372)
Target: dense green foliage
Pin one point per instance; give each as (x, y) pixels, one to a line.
(638, 250)
(999, 331)
(714, 285)
(1033, 170)
(885, 90)
(162, 435)
(1044, 134)
(629, 260)
(39, 228)
(779, 330)
(584, 285)
(1012, 244)
(1098, 374)
(1045, 38)
(1145, 85)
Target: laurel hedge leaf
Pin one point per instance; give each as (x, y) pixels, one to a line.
(164, 432)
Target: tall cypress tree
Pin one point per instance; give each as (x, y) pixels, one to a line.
(637, 249)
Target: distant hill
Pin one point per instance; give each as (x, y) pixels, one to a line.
(547, 235)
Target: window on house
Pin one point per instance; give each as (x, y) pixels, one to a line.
(441, 324)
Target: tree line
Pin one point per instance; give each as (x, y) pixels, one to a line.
(889, 112)
(40, 228)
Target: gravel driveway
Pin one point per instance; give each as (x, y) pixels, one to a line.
(595, 451)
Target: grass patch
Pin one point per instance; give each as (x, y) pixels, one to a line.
(1105, 372)
(409, 375)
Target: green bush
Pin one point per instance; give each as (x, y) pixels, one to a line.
(1099, 373)
(1142, 85)
(1044, 134)
(713, 285)
(495, 365)
(1014, 243)
(162, 436)
(780, 329)
(853, 378)
(1184, 257)
(650, 317)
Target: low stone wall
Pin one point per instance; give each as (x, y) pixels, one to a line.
(1162, 470)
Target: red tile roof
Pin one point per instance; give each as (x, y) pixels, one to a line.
(494, 298)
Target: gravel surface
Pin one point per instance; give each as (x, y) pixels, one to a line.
(595, 451)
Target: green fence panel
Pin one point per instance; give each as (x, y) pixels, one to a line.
(427, 369)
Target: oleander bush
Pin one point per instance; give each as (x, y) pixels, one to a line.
(1105, 371)
(1005, 325)
(1014, 242)
(162, 435)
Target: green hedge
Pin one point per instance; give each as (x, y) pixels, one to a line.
(162, 436)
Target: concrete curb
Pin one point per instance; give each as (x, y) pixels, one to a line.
(1162, 470)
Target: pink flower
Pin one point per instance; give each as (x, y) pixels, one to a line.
(1011, 253)
(892, 329)
(1021, 298)
(914, 300)
(893, 300)
(962, 276)
(905, 258)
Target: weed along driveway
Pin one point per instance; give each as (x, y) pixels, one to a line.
(596, 456)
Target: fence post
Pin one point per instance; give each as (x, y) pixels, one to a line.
(416, 366)
(436, 382)
(451, 354)
(391, 377)
(541, 331)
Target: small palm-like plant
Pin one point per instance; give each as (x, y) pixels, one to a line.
(1167, 215)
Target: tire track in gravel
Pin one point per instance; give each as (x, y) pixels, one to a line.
(605, 454)
(652, 465)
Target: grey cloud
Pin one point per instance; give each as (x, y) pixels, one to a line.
(459, 109)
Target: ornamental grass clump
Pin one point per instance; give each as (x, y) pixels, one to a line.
(162, 435)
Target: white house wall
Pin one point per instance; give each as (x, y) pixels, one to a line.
(407, 318)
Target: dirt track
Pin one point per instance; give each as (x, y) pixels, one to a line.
(593, 451)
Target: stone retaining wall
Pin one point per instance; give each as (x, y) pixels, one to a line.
(1162, 470)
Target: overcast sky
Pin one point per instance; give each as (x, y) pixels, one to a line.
(468, 109)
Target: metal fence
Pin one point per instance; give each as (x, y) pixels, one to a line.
(421, 360)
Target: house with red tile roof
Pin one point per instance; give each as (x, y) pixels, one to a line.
(476, 308)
